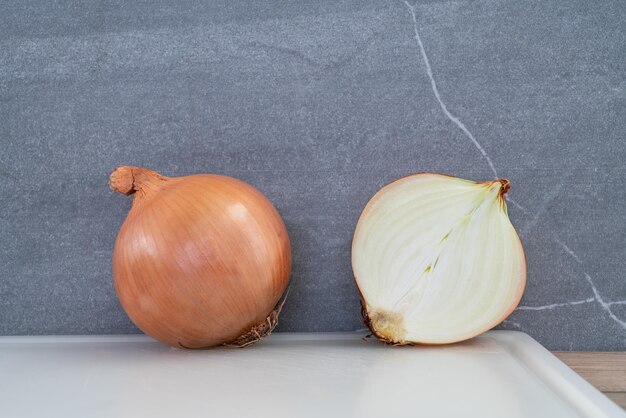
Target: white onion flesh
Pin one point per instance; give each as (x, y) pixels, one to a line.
(437, 260)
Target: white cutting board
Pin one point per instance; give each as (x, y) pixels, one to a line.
(501, 374)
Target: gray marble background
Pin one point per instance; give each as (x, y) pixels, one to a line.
(318, 104)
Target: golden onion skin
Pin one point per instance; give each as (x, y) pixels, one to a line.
(200, 260)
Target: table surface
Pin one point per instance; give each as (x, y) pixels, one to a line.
(500, 373)
(606, 371)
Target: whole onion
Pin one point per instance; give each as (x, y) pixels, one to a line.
(201, 260)
(437, 260)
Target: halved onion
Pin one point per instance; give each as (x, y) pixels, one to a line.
(437, 260)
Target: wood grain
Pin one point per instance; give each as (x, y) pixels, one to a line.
(617, 397)
(606, 371)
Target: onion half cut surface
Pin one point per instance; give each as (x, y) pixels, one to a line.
(437, 260)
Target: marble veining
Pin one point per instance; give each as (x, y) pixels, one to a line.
(443, 106)
(555, 305)
(543, 206)
(318, 105)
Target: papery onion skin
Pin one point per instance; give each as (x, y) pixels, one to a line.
(389, 325)
(201, 260)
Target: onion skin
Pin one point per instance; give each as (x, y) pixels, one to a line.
(384, 326)
(201, 260)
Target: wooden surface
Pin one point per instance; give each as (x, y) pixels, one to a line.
(606, 371)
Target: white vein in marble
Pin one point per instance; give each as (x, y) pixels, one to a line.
(512, 324)
(535, 217)
(443, 106)
(555, 305)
